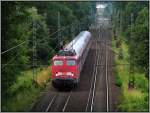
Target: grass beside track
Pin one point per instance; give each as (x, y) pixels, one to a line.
(134, 99)
(23, 93)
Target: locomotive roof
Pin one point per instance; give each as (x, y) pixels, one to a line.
(64, 57)
(75, 48)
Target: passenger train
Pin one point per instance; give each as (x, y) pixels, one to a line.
(68, 63)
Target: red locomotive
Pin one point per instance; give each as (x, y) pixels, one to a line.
(68, 63)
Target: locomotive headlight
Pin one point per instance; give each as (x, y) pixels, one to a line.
(72, 74)
(59, 73)
(69, 74)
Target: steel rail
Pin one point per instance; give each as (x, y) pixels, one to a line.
(107, 91)
(50, 104)
(54, 98)
(66, 102)
(91, 82)
(95, 79)
(107, 84)
(13, 47)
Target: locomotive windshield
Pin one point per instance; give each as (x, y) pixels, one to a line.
(58, 63)
(71, 62)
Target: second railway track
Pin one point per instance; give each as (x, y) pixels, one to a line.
(97, 101)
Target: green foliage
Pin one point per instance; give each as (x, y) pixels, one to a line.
(141, 82)
(16, 30)
(118, 80)
(82, 10)
(22, 83)
(141, 35)
(23, 93)
(134, 29)
(22, 101)
(132, 100)
(44, 49)
(23, 89)
(120, 54)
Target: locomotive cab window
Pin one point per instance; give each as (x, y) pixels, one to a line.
(58, 63)
(71, 62)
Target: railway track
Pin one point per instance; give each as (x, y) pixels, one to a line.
(93, 83)
(92, 79)
(100, 67)
(93, 92)
(55, 105)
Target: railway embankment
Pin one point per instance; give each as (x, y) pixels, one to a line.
(134, 85)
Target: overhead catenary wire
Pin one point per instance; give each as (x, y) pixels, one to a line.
(24, 64)
(14, 47)
(25, 42)
(11, 60)
(62, 29)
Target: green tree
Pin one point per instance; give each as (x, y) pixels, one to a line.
(17, 28)
(137, 37)
(14, 31)
(141, 40)
(43, 48)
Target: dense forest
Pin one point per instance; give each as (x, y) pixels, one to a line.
(131, 20)
(32, 32)
(130, 37)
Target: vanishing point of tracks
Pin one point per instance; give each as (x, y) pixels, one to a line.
(92, 94)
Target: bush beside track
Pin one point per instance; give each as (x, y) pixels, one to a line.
(135, 99)
(23, 93)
